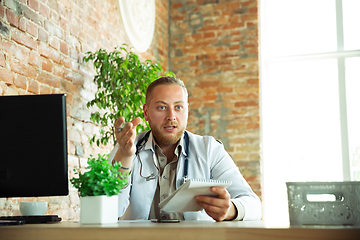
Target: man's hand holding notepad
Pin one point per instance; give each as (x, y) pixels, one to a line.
(183, 199)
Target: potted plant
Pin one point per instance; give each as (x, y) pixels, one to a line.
(98, 188)
(122, 80)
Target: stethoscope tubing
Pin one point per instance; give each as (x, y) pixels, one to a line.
(153, 176)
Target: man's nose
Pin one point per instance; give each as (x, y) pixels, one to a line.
(171, 115)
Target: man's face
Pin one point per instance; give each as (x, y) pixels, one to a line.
(167, 113)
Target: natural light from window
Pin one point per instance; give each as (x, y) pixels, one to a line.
(310, 84)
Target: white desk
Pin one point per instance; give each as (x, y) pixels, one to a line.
(257, 230)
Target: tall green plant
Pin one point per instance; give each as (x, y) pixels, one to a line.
(122, 80)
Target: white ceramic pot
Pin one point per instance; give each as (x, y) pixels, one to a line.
(98, 209)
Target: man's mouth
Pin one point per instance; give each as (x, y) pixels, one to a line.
(170, 127)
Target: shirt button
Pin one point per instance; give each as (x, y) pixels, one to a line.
(163, 217)
(163, 196)
(162, 159)
(164, 177)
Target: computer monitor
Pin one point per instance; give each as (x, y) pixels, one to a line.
(33, 146)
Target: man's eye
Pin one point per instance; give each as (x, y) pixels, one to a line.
(178, 107)
(161, 107)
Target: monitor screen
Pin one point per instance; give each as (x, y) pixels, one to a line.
(33, 146)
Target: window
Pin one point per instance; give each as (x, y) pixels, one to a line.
(310, 95)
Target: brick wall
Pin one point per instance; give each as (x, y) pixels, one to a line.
(41, 47)
(214, 49)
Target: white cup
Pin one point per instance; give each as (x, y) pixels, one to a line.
(33, 208)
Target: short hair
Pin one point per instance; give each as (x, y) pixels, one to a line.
(164, 81)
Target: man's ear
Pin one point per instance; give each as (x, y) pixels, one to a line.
(145, 110)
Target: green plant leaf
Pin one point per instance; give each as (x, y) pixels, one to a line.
(122, 80)
(102, 178)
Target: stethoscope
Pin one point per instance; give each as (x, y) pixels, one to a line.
(141, 143)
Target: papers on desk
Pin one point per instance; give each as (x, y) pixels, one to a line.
(183, 199)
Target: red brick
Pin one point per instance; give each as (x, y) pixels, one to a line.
(209, 35)
(2, 59)
(48, 79)
(23, 39)
(176, 5)
(55, 17)
(20, 81)
(44, 89)
(32, 29)
(54, 5)
(22, 69)
(253, 126)
(43, 36)
(33, 86)
(12, 18)
(209, 98)
(233, 26)
(54, 42)
(45, 50)
(69, 87)
(22, 24)
(253, 10)
(53, 29)
(235, 47)
(221, 20)
(46, 65)
(74, 30)
(233, 5)
(44, 10)
(178, 18)
(2, 12)
(34, 4)
(251, 24)
(225, 89)
(223, 62)
(209, 105)
(31, 14)
(253, 51)
(253, 96)
(6, 76)
(34, 59)
(55, 56)
(249, 17)
(74, 77)
(247, 104)
(253, 81)
(64, 23)
(9, 47)
(22, 53)
(58, 70)
(234, 19)
(65, 62)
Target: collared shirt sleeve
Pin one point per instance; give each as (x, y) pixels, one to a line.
(239, 208)
(223, 167)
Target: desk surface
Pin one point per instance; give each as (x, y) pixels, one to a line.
(256, 230)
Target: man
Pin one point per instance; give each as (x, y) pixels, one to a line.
(155, 161)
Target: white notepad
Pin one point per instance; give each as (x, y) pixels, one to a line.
(183, 199)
